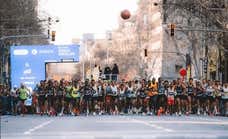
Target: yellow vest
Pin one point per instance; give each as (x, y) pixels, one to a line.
(22, 93)
(75, 93)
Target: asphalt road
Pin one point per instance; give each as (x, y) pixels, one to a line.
(113, 127)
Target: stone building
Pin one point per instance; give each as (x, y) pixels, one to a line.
(200, 32)
(200, 27)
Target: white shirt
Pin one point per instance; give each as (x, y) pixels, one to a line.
(95, 73)
(122, 91)
(13, 93)
(225, 90)
(130, 89)
(171, 92)
(210, 89)
(114, 89)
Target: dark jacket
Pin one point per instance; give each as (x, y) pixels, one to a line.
(107, 70)
(115, 70)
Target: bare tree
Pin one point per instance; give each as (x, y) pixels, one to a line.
(20, 17)
(17, 17)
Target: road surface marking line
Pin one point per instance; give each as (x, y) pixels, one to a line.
(114, 122)
(152, 125)
(169, 122)
(149, 124)
(205, 118)
(189, 122)
(37, 127)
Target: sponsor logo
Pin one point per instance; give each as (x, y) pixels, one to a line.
(27, 71)
(20, 52)
(34, 51)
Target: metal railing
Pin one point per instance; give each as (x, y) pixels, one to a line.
(114, 77)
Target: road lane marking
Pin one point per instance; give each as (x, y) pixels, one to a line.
(191, 122)
(149, 124)
(133, 121)
(152, 125)
(115, 122)
(133, 133)
(168, 122)
(205, 119)
(37, 127)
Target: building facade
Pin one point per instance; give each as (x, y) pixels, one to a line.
(200, 32)
(143, 46)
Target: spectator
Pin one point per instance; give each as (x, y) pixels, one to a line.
(14, 100)
(115, 72)
(100, 71)
(95, 73)
(107, 72)
(88, 74)
(5, 99)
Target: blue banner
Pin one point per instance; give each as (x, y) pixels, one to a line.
(28, 62)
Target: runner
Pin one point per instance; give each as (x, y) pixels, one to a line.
(35, 105)
(75, 99)
(181, 96)
(60, 91)
(217, 98)
(14, 100)
(225, 98)
(191, 95)
(210, 91)
(95, 107)
(86, 101)
(122, 98)
(142, 100)
(201, 98)
(23, 95)
(50, 97)
(153, 95)
(130, 95)
(108, 98)
(171, 92)
(41, 97)
(162, 92)
(136, 87)
(100, 99)
(114, 89)
(67, 98)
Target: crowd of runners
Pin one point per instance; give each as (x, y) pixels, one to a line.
(140, 97)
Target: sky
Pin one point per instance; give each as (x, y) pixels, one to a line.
(85, 16)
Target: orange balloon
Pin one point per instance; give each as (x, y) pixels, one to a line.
(125, 14)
